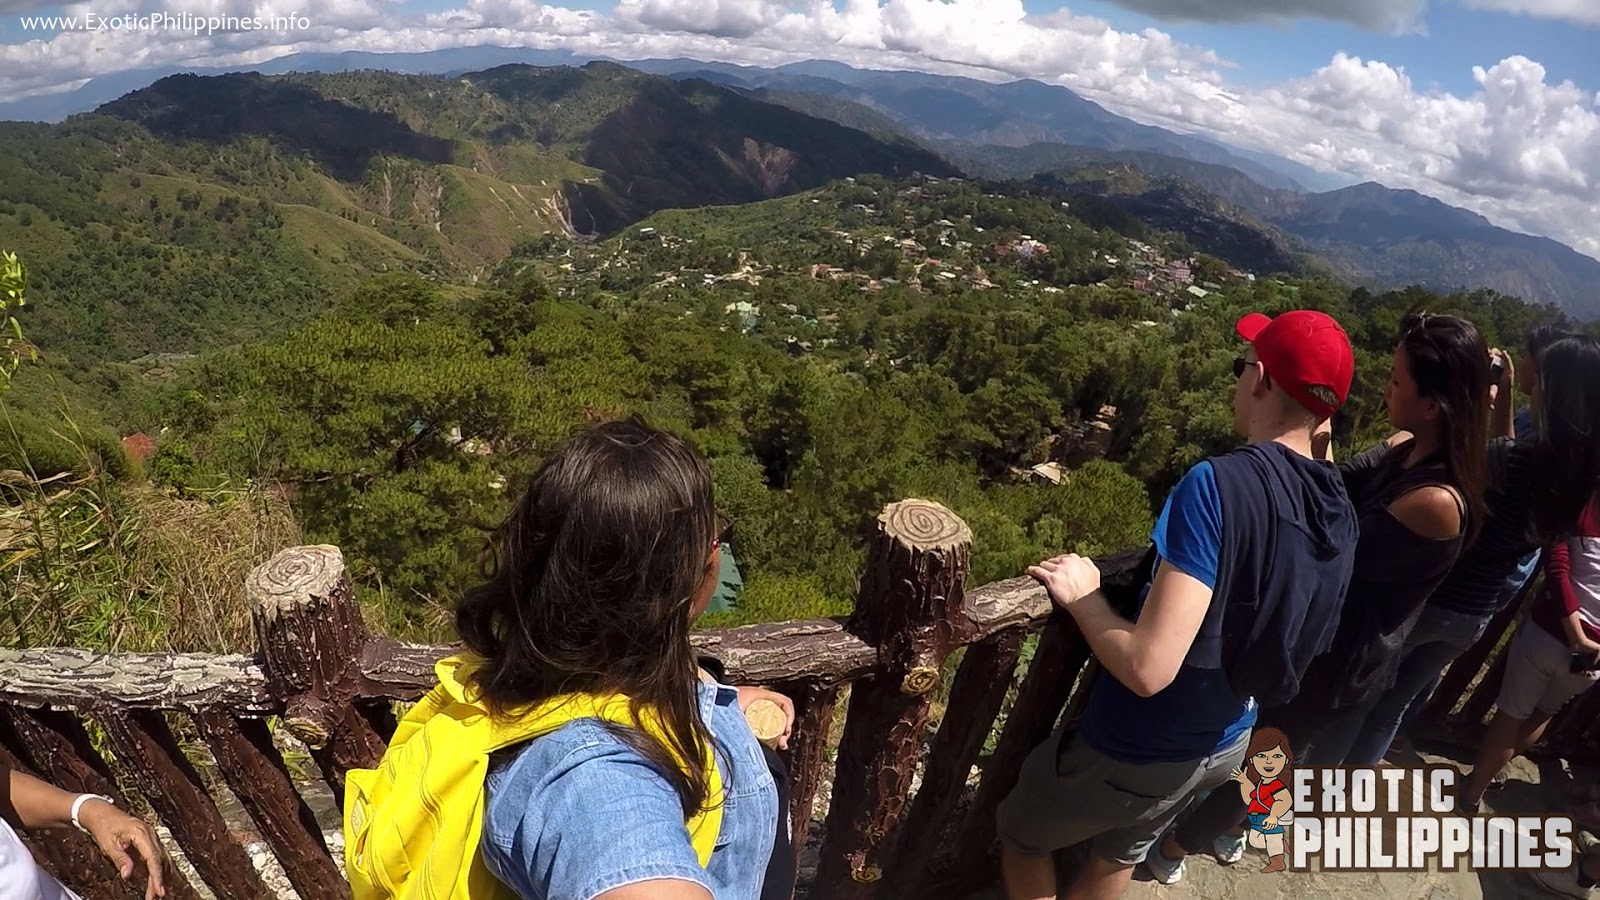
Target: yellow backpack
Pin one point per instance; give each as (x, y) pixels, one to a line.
(412, 826)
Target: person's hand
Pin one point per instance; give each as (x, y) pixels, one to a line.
(117, 833)
(1270, 823)
(749, 695)
(1067, 579)
(1586, 646)
(1508, 371)
(1241, 777)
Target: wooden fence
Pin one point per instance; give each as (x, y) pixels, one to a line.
(66, 715)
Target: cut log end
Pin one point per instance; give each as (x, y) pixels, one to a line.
(924, 525)
(296, 577)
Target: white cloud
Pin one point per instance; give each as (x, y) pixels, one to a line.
(1583, 12)
(1519, 149)
(1401, 14)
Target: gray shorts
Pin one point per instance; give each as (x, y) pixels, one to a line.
(1538, 675)
(1080, 794)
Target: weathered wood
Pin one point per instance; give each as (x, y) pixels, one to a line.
(44, 677)
(311, 639)
(68, 856)
(1060, 654)
(808, 750)
(255, 772)
(149, 753)
(1486, 692)
(910, 608)
(813, 650)
(1022, 601)
(975, 699)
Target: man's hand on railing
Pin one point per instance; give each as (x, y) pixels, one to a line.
(1067, 579)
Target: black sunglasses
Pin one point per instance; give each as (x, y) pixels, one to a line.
(1239, 365)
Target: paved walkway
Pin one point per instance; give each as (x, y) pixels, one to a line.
(1528, 791)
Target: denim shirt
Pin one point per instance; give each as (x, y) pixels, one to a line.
(577, 813)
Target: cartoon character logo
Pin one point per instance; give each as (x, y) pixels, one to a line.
(1263, 783)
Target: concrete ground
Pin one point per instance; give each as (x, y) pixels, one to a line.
(1531, 789)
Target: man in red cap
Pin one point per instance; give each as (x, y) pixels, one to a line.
(1252, 555)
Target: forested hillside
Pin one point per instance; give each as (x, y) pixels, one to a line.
(824, 374)
(203, 211)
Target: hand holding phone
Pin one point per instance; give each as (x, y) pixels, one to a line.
(1584, 661)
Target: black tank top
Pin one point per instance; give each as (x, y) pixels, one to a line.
(1395, 571)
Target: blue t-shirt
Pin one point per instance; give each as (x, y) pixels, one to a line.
(1199, 713)
(577, 813)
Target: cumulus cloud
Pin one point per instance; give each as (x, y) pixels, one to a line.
(1520, 149)
(1365, 13)
(1583, 12)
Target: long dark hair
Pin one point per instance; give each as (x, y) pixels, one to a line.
(1566, 472)
(591, 583)
(1449, 360)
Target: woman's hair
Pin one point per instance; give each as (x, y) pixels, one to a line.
(591, 583)
(1263, 740)
(1449, 361)
(1566, 468)
(1542, 336)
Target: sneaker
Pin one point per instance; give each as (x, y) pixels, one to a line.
(1564, 882)
(1228, 849)
(1163, 870)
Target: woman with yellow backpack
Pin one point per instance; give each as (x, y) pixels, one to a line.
(578, 750)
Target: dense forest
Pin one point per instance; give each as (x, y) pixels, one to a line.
(829, 352)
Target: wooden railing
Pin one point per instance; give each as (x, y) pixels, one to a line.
(68, 716)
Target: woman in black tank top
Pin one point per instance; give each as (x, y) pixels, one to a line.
(1419, 498)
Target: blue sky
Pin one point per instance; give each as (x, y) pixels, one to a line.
(1490, 105)
(1442, 53)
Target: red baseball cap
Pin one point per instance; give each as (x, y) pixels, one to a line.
(1303, 350)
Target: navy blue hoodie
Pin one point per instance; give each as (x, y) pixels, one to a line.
(1287, 546)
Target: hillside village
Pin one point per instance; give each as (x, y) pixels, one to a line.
(904, 237)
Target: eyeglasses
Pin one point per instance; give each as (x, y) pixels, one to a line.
(724, 528)
(1240, 364)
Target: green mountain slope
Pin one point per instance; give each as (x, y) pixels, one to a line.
(206, 210)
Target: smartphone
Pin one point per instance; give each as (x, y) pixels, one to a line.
(1497, 367)
(1583, 662)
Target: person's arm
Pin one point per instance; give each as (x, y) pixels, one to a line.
(1503, 401)
(1430, 512)
(32, 803)
(1558, 581)
(1146, 655)
(1322, 441)
(1143, 655)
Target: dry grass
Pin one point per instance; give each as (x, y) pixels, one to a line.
(94, 563)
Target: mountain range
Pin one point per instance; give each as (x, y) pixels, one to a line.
(504, 152)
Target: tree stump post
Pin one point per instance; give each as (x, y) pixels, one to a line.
(910, 609)
(310, 636)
